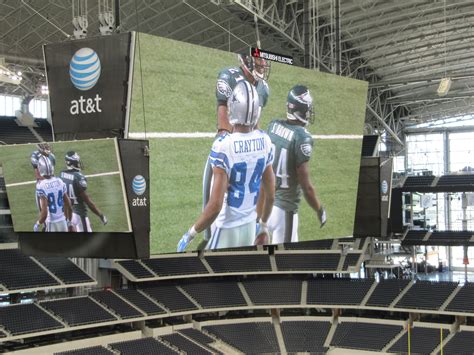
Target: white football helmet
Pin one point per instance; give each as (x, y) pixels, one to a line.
(45, 167)
(243, 105)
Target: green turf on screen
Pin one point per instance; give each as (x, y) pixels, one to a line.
(179, 90)
(98, 156)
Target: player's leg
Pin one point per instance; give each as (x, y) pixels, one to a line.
(60, 226)
(81, 223)
(283, 226)
(240, 236)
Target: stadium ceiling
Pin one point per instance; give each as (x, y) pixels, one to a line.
(402, 47)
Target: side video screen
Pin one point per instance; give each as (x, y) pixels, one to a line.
(74, 186)
(178, 95)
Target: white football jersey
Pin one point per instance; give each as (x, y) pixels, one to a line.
(53, 189)
(244, 157)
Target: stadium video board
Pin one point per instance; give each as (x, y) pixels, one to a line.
(71, 198)
(178, 95)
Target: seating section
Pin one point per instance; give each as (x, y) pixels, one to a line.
(305, 336)
(184, 344)
(415, 235)
(78, 311)
(351, 260)
(93, 350)
(26, 318)
(445, 237)
(197, 336)
(264, 291)
(215, 294)
(116, 304)
(417, 181)
(338, 291)
(456, 180)
(18, 271)
(135, 268)
(386, 292)
(143, 346)
(11, 133)
(239, 263)
(307, 262)
(250, 338)
(364, 335)
(323, 244)
(141, 301)
(44, 129)
(65, 270)
(459, 343)
(176, 266)
(422, 341)
(427, 295)
(462, 302)
(170, 297)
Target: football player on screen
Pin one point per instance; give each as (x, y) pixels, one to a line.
(293, 146)
(255, 71)
(43, 150)
(76, 184)
(241, 162)
(55, 212)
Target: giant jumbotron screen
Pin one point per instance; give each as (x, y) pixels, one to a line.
(174, 83)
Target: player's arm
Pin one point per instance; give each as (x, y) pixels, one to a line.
(309, 192)
(223, 124)
(67, 206)
(43, 213)
(211, 211)
(267, 187)
(85, 197)
(214, 206)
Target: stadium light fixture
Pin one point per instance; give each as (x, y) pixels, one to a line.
(445, 83)
(7, 76)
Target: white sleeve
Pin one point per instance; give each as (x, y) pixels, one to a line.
(219, 156)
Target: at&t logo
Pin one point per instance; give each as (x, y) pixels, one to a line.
(84, 72)
(139, 188)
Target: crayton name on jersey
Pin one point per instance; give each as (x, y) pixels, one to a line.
(283, 132)
(250, 145)
(52, 184)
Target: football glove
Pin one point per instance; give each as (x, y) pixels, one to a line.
(37, 227)
(261, 234)
(186, 239)
(103, 219)
(261, 229)
(322, 216)
(71, 227)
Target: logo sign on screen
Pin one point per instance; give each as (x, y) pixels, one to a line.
(84, 69)
(274, 57)
(139, 187)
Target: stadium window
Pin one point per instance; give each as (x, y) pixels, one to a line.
(38, 108)
(461, 152)
(425, 152)
(399, 164)
(9, 104)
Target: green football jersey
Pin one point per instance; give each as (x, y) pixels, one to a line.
(228, 79)
(293, 146)
(75, 182)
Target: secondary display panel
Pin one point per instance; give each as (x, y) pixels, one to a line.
(179, 116)
(108, 190)
(100, 178)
